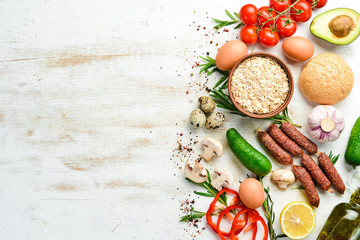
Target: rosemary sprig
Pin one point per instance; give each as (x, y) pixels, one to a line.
(210, 190)
(333, 158)
(209, 67)
(193, 215)
(234, 19)
(269, 213)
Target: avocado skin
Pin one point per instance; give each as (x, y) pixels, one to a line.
(319, 26)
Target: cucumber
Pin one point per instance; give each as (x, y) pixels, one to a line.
(352, 153)
(251, 158)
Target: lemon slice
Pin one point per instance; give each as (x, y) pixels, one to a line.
(297, 220)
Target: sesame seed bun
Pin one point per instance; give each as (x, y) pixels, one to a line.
(326, 79)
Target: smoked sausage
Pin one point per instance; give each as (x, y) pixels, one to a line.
(308, 185)
(285, 142)
(331, 172)
(298, 137)
(315, 172)
(280, 155)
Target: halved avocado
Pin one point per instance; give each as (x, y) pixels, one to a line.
(338, 26)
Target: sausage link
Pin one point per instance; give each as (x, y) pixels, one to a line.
(308, 185)
(319, 178)
(298, 137)
(280, 155)
(283, 140)
(331, 172)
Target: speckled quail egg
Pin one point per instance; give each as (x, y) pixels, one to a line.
(206, 104)
(197, 118)
(215, 120)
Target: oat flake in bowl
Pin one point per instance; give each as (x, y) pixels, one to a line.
(259, 85)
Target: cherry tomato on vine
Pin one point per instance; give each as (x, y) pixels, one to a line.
(301, 11)
(248, 35)
(285, 26)
(264, 14)
(317, 3)
(248, 14)
(280, 5)
(268, 37)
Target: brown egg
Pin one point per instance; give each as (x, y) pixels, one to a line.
(252, 193)
(229, 54)
(298, 48)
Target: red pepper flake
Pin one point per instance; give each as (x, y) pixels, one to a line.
(197, 64)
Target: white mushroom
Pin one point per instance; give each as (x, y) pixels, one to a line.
(223, 179)
(283, 178)
(195, 172)
(211, 147)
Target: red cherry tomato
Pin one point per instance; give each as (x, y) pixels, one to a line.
(317, 3)
(268, 37)
(301, 11)
(285, 26)
(248, 35)
(248, 14)
(264, 14)
(280, 5)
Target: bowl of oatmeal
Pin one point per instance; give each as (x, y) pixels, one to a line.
(260, 85)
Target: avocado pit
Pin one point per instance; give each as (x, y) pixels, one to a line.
(341, 26)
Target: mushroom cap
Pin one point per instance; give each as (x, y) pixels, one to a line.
(195, 172)
(224, 172)
(214, 144)
(283, 175)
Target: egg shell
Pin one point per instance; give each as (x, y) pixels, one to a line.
(229, 54)
(298, 48)
(252, 193)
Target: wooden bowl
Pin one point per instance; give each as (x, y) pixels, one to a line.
(287, 99)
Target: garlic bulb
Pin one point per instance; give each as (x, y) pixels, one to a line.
(325, 123)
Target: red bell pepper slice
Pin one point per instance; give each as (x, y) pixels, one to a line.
(234, 227)
(235, 201)
(252, 226)
(212, 207)
(225, 212)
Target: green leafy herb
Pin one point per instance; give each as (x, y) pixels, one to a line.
(193, 215)
(234, 19)
(269, 213)
(210, 190)
(333, 158)
(209, 67)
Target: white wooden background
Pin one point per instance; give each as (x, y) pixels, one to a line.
(93, 94)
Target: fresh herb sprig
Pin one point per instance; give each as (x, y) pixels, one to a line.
(210, 190)
(193, 215)
(222, 99)
(234, 19)
(269, 213)
(333, 158)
